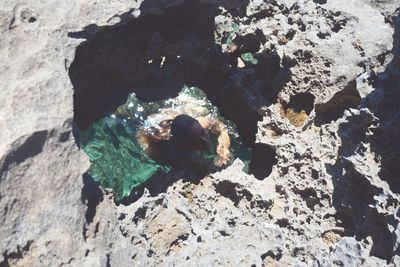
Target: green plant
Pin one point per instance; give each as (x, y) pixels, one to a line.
(232, 35)
(248, 57)
(235, 27)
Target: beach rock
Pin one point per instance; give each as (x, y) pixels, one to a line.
(322, 101)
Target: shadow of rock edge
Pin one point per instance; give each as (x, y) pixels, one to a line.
(355, 192)
(385, 140)
(334, 108)
(364, 205)
(127, 58)
(91, 196)
(26, 147)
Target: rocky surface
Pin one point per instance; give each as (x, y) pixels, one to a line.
(323, 99)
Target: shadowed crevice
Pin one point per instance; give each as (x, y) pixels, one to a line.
(91, 196)
(300, 102)
(263, 158)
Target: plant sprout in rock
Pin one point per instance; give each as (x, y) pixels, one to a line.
(248, 57)
(232, 35)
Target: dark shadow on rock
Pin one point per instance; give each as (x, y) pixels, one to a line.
(353, 193)
(87, 33)
(273, 72)
(334, 108)
(321, 2)
(247, 90)
(300, 102)
(263, 158)
(23, 149)
(354, 196)
(16, 255)
(157, 184)
(155, 55)
(385, 140)
(91, 196)
(235, 7)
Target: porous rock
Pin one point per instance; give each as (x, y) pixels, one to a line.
(332, 195)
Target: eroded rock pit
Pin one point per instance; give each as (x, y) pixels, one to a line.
(155, 56)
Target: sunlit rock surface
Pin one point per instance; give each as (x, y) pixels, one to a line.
(331, 199)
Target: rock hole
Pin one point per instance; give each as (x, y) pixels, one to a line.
(179, 239)
(224, 233)
(32, 19)
(298, 108)
(266, 13)
(139, 214)
(275, 254)
(155, 56)
(323, 35)
(311, 202)
(306, 193)
(339, 25)
(249, 43)
(263, 158)
(228, 190)
(290, 34)
(321, 2)
(302, 102)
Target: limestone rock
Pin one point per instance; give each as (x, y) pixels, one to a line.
(330, 191)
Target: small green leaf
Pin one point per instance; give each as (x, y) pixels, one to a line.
(230, 38)
(235, 27)
(247, 56)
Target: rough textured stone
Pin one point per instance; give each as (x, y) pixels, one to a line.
(332, 192)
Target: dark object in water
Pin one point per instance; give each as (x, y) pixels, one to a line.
(119, 162)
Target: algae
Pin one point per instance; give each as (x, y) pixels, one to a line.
(295, 118)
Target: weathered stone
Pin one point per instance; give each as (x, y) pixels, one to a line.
(332, 198)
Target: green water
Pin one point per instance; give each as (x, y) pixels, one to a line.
(119, 162)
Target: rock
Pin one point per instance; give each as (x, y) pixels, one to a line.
(328, 193)
(349, 252)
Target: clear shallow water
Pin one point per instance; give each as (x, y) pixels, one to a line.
(117, 159)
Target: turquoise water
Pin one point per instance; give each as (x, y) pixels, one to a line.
(118, 161)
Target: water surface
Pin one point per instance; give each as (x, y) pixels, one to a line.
(119, 162)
